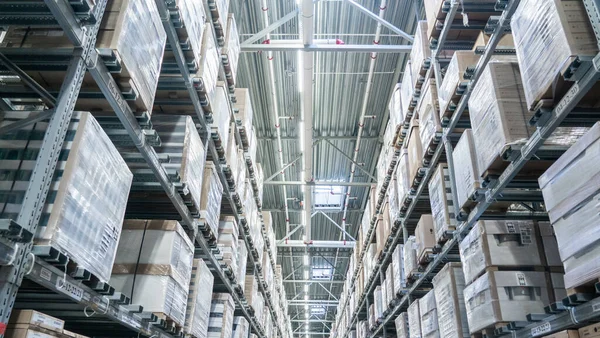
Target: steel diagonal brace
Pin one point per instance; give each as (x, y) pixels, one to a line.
(352, 161)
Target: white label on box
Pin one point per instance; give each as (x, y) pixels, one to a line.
(35, 334)
(129, 320)
(69, 288)
(541, 329)
(46, 274)
(521, 281)
(46, 321)
(596, 307)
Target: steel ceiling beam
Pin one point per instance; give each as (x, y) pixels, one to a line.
(383, 22)
(273, 26)
(281, 171)
(304, 281)
(294, 47)
(321, 302)
(316, 244)
(358, 165)
(323, 183)
(312, 321)
(317, 138)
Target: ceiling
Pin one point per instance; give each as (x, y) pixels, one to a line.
(339, 85)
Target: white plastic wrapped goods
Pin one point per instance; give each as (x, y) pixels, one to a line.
(221, 112)
(442, 202)
(153, 266)
(193, 17)
(449, 285)
(410, 257)
(240, 327)
(428, 114)
(415, 153)
(403, 181)
(454, 78)
(429, 317)
(242, 259)
(240, 177)
(465, 169)
(227, 241)
(504, 296)
(392, 197)
(389, 286)
(398, 269)
(378, 302)
(366, 219)
(407, 90)
(395, 107)
(208, 67)
(231, 47)
(547, 34)
(420, 53)
(498, 113)
(139, 38)
(499, 243)
(87, 209)
(242, 111)
(414, 320)
(573, 203)
(424, 237)
(401, 323)
(212, 193)
(198, 302)
(220, 324)
(222, 8)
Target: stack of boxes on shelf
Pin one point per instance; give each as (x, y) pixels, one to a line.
(31, 323)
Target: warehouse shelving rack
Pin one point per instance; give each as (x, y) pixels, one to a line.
(572, 312)
(80, 21)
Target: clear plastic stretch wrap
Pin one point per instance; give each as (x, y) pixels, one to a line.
(424, 237)
(547, 34)
(267, 271)
(252, 146)
(222, 10)
(220, 324)
(395, 107)
(498, 113)
(371, 316)
(414, 320)
(573, 203)
(240, 327)
(221, 112)
(392, 197)
(154, 265)
(227, 241)
(407, 89)
(198, 302)
(366, 219)
(378, 302)
(240, 174)
(499, 243)
(242, 111)
(231, 46)
(504, 296)
(449, 285)
(420, 53)
(88, 206)
(415, 152)
(427, 112)
(403, 181)
(398, 269)
(442, 202)
(465, 168)
(389, 286)
(410, 257)
(454, 78)
(401, 323)
(139, 38)
(188, 152)
(253, 296)
(242, 262)
(208, 67)
(212, 193)
(429, 318)
(193, 17)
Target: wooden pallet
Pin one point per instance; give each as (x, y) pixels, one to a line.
(168, 323)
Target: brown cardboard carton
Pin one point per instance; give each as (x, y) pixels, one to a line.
(564, 334)
(590, 331)
(36, 318)
(424, 237)
(26, 333)
(415, 154)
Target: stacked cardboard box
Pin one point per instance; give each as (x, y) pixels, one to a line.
(403, 178)
(420, 53)
(212, 193)
(411, 267)
(396, 108)
(430, 126)
(231, 49)
(208, 65)
(242, 259)
(449, 285)
(198, 303)
(442, 202)
(465, 169)
(241, 327)
(428, 316)
(243, 114)
(378, 302)
(407, 92)
(415, 152)
(401, 323)
(228, 242)
(455, 80)
(193, 17)
(424, 238)
(221, 114)
(82, 217)
(572, 203)
(220, 323)
(154, 265)
(398, 269)
(414, 319)
(31, 323)
(254, 297)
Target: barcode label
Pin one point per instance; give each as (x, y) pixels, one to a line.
(69, 288)
(46, 274)
(596, 307)
(541, 329)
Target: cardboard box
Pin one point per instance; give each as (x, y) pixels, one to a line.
(198, 301)
(403, 181)
(420, 52)
(590, 331)
(401, 323)
(407, 91)
(455, 77)
(414, 319)
(411, 267)
(504, 296)
(26, 333)
(499, 243)
(36, 318)
(398, 268)
(430, 126)
(220, 324)
(442, 202)
(424, 237)
(429, 317)
(415, 154)
(506, 41)
(465, 169)
(449, 285)
(564, 334)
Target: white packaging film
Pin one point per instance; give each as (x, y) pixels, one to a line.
(414, 319)
(410, 257)
(220, 324)
(208, 67)
(212, 193)
(231, 47)
(465, 168)
(401, 323)
(429, 119)
(442, 202)
(193, 17)
(243, 112)
(420, 52)
(407, 89)
(449, 285)
(428, 314)
(199, 298)
(454, 77)
(242, 262)
(240, 327)
(398, 269)
(227, 242)
(395, 107)
(221, 112)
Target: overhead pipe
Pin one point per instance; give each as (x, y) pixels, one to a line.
(361, 120)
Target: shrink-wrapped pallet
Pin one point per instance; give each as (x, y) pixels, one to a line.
(209, 64)
(429, 317)
(420, 53)
(221, 114)
(403, 182)
(548, 35)
(430, 127)
(389, 286)
(396, 108)
(84, 210)
(212, 193)
(243, 113)
(465, 169)
(392, 197)
(414, 320)
(572, 203)
(378, 302)
(449, 285)
(442, 202)
(220, 8)
(504, 296)
(398, 268)
(411, 267)
(193, 16)
(507, 243)
(230, 53)
(242, 259)
(424, 238)
(415, 154)
(407, 90)
(506, 43)
(240, 327)
(455, 80)
(227, 242)
(498, 114)
(154, 265)
(198, 303)
(401, 323)
(220, 324)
